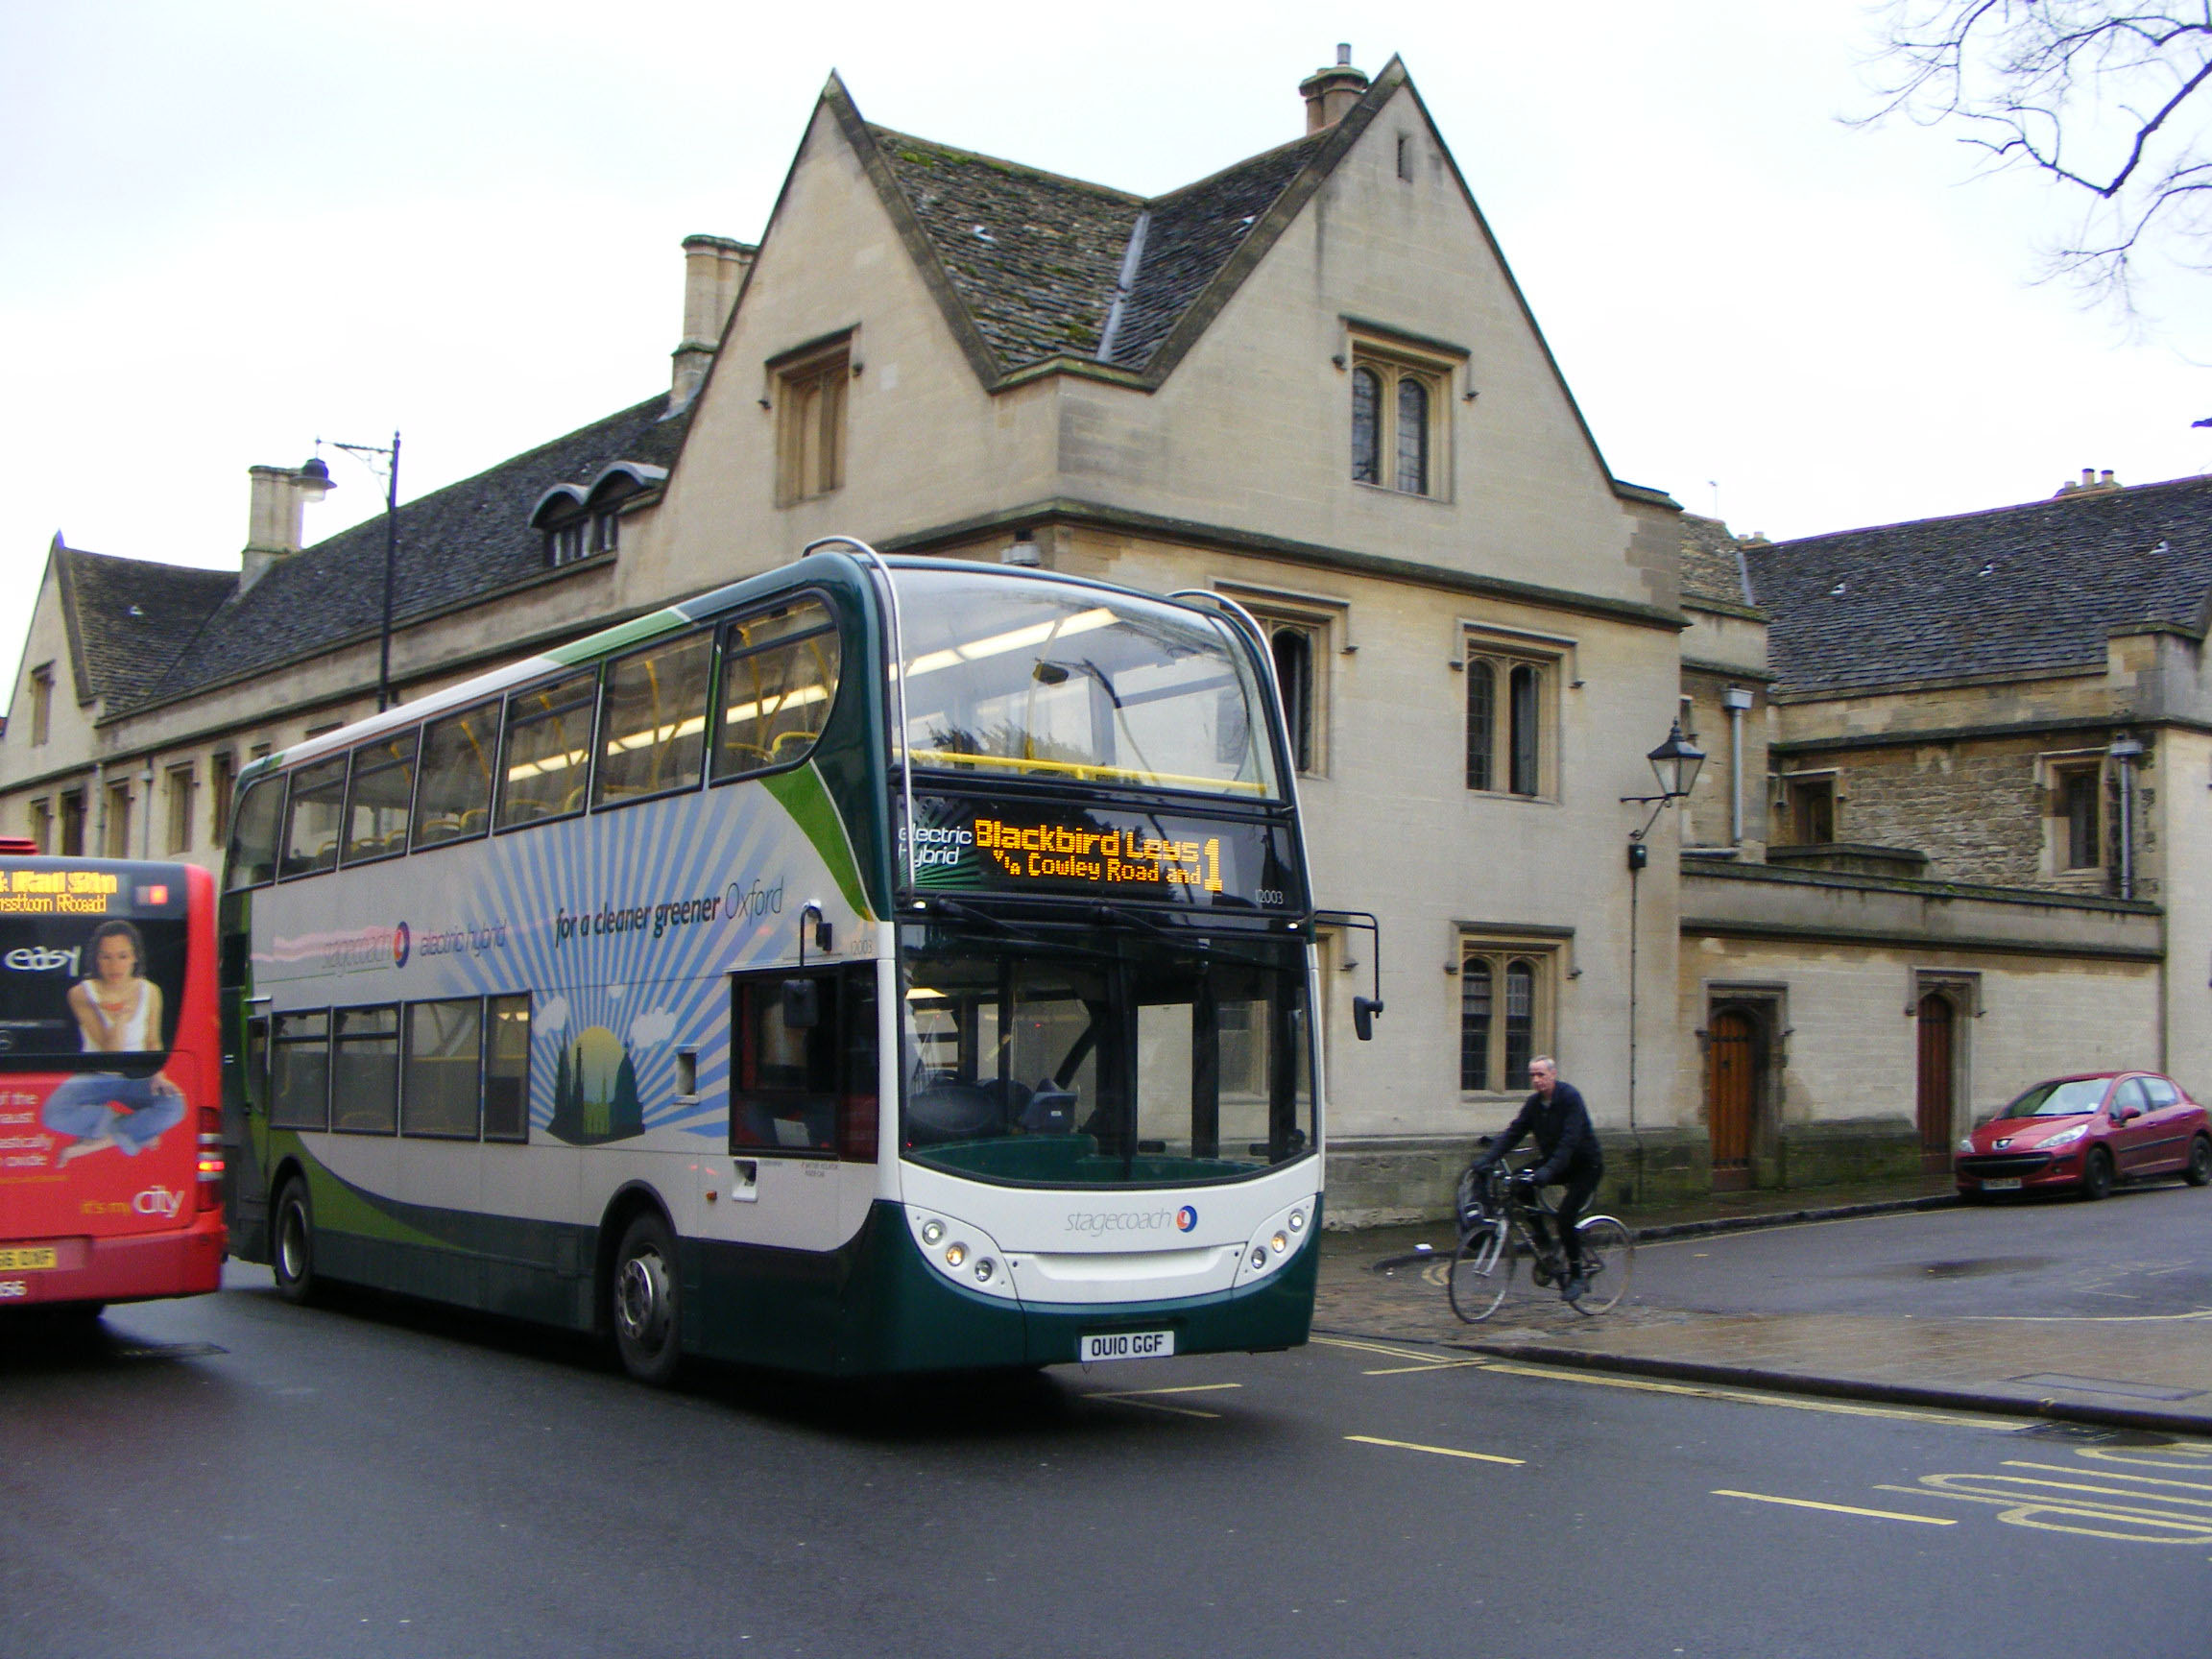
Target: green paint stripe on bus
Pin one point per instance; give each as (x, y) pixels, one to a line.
(802, 793)
(597, 645)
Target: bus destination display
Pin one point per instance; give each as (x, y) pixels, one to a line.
(1165, 858)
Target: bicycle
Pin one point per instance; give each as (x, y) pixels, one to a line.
(1494, 1234)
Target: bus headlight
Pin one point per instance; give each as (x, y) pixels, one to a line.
(956, 1254)
(933, 1234)
(1298, 1220)
(1279, 1244)
(984, 1270)
(1259, 1256)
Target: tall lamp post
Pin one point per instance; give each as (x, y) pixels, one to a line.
(388, 471)
(1674, 764)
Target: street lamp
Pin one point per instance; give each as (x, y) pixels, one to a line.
(388, 471)
(1674, 764)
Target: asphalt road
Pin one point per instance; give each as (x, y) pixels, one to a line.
(232, 1475)
(2145, 1250)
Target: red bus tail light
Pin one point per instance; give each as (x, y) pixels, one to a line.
(210, 1158)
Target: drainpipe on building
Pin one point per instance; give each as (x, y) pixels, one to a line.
(2124, 750)
(1735, 699)
(146, 818)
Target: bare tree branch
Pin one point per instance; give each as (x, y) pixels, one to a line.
(2105, 98)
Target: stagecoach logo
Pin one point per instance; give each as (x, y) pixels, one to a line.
(41, 959)
(401, 940)
(1099, 1221)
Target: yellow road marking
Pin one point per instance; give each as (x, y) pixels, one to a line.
(1387, 1353)
(2199, 1317)
(1429, 1365)
(1137, 1397)
(1837, 1508)
(2139, 1479)
(1185, 1388)
(1436, 1451)
(1746, 1397)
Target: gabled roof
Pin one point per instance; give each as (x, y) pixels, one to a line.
(1032, 267)
(2016, 590)
(129, 619)
(462, 543)
(1034, 270)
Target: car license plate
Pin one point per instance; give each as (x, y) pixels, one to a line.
(1127, 1345)
(2003, 1184)
(27, 1259)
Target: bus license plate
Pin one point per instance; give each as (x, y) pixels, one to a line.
(1127, 1345)
(2003, 1184)
(27, 1259)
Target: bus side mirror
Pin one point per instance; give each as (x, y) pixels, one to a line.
(1363, 1012)
(802, 1004)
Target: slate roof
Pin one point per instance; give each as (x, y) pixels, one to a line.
(130, 618)
(1712, 563)
(2032, 589)
(464, 543)
(1036, 259)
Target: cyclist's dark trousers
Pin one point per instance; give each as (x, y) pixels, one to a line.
(1579, 1185)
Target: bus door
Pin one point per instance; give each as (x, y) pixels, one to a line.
(803, 1099)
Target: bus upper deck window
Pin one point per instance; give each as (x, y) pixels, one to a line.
(546, 755)
(653, 721)
(253, 860)
(778, 681)
(454, 799)
(314, 817)
(376, 807)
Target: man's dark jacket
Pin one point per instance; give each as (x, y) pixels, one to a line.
(1566, 1145)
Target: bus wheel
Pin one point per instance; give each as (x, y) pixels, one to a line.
(293, 1238)
(643, 1295)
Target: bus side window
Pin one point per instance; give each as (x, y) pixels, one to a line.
(545, 755)
(453, 796)
(778, 680)
(313, 818)
(253, 860)
(377, 805)
(300, 1067)
(653, 721)
(365, 1071)
(784, 1081)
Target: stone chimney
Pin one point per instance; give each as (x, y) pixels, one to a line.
(1331, 92)
(2093, 483)
(281, 497)
(713, 268)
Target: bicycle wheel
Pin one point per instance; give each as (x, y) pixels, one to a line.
(1482, 1270)
(1608, 1262)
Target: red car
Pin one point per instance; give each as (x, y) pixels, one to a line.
(2087, 1132)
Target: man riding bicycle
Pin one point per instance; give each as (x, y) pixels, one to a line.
(1567, 1153)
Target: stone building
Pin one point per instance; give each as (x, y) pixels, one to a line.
(1308, 381)
(1982, 858)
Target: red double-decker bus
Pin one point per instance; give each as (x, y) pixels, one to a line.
(110, 1082)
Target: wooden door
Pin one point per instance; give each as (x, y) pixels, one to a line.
(1935, 1087)
(1731, 1088)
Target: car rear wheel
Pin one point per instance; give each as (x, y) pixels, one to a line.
(2097, 1174)
(2198, 1172)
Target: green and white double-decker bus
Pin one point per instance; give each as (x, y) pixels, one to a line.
(877, 965)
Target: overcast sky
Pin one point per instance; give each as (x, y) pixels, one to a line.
(227, 229)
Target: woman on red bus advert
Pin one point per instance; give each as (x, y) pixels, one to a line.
(118, 1012)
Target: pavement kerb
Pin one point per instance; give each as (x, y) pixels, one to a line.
(1792, 1218)
(1844, 1387)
